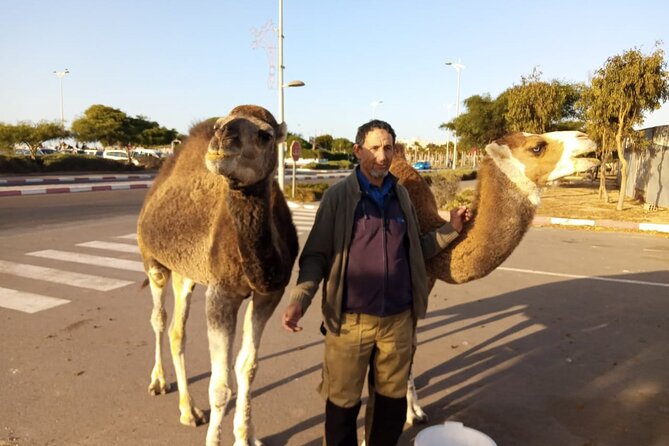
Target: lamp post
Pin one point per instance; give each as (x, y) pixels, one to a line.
(61, 75)
(374, 105)
(282, 146)
(458, 67)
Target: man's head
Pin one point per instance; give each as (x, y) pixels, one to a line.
(374, 147)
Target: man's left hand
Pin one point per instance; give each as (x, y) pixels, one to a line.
(459, 217)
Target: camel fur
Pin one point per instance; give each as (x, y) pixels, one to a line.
(507, 195)
(215, 216)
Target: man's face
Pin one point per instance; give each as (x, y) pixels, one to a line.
(375, 155)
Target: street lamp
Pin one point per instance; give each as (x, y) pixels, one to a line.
(282, 146)
(457, 66)
(61, 75)
(374, 105)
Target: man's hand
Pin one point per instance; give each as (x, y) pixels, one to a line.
(459, 217)
(291, 316)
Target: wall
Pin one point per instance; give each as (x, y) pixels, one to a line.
(649, 169)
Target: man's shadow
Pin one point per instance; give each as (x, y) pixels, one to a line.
(582, 362)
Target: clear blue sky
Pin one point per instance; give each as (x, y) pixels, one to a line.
(177, 62)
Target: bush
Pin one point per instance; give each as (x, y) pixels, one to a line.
(330, 165)
(150, 162)
(307, 192)
(62, 162)
(444, 185)
(17, 164)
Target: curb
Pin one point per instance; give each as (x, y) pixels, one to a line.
(25, 181)
(62, 190)
(539, 220)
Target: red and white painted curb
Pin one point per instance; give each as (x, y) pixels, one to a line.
(26, 186)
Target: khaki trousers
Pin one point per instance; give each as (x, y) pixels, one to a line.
(387, 340)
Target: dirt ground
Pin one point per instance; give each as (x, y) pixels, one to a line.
(579, 198)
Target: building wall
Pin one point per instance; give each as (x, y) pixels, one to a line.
(649, 169)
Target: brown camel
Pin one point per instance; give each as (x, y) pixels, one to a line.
(510, 178)
(215, 216)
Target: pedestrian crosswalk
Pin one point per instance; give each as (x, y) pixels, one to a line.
(63, 268)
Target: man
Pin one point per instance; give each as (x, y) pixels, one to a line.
(366, 247)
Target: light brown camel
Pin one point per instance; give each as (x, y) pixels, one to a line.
(215, 216)
(510, 178)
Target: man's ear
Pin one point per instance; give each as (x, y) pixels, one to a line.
(356, 150)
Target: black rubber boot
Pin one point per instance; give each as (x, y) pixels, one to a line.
(340, 425)
(388, 420)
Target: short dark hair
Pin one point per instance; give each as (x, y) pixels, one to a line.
(364, 129)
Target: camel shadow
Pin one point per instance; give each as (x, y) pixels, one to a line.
(573, 362)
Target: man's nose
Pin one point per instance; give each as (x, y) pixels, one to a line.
(381, 156)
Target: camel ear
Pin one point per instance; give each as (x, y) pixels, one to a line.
(280, 133)
(495, 150)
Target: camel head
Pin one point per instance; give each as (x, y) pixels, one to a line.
(244, 146)
(531, 160)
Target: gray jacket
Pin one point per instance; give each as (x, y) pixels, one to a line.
(325, 254)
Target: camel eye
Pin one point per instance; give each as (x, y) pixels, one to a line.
(264, 136)
(538, 150)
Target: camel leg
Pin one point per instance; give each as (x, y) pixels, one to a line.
(182, 288)
(415, 413)
(258, 312)
(221, 308)
(158, 277)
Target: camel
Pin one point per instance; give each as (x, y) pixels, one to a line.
(510, 178)
(215, 216)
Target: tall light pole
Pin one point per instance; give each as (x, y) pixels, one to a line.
(374, 105)
(282, 146)
(61, 75)
(458, 67)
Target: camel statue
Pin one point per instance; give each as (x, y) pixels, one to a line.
(216, 216)
(510, 178)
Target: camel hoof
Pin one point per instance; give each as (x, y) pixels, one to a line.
(415, 415)
(158, 387)
(193, 417)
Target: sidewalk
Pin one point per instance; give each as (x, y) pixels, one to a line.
(21, 186)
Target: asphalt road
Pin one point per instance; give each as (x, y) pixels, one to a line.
(565, 344)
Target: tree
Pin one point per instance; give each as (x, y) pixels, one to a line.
(536, 106)
(482, 122)
(324, 142)
(112, 127)
(342, 145)
(101, 123)
(622, 91)
(30, 134)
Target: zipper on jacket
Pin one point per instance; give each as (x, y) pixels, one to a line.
(384, 247)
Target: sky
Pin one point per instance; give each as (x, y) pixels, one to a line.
(179, 62)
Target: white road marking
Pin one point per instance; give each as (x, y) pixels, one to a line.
(27, 302)
(111, 246)
(53, 275)
(87, 259)
(132, 236)
(577, 276)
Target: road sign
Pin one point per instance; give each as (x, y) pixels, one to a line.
(296, 150)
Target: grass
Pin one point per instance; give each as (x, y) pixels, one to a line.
(579, 198)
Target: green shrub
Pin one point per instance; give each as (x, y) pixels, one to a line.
(444, 185)
(63, 162)
(150, 162)
(463, 198)
(307, 192)
(330, 165)
(17, 164)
